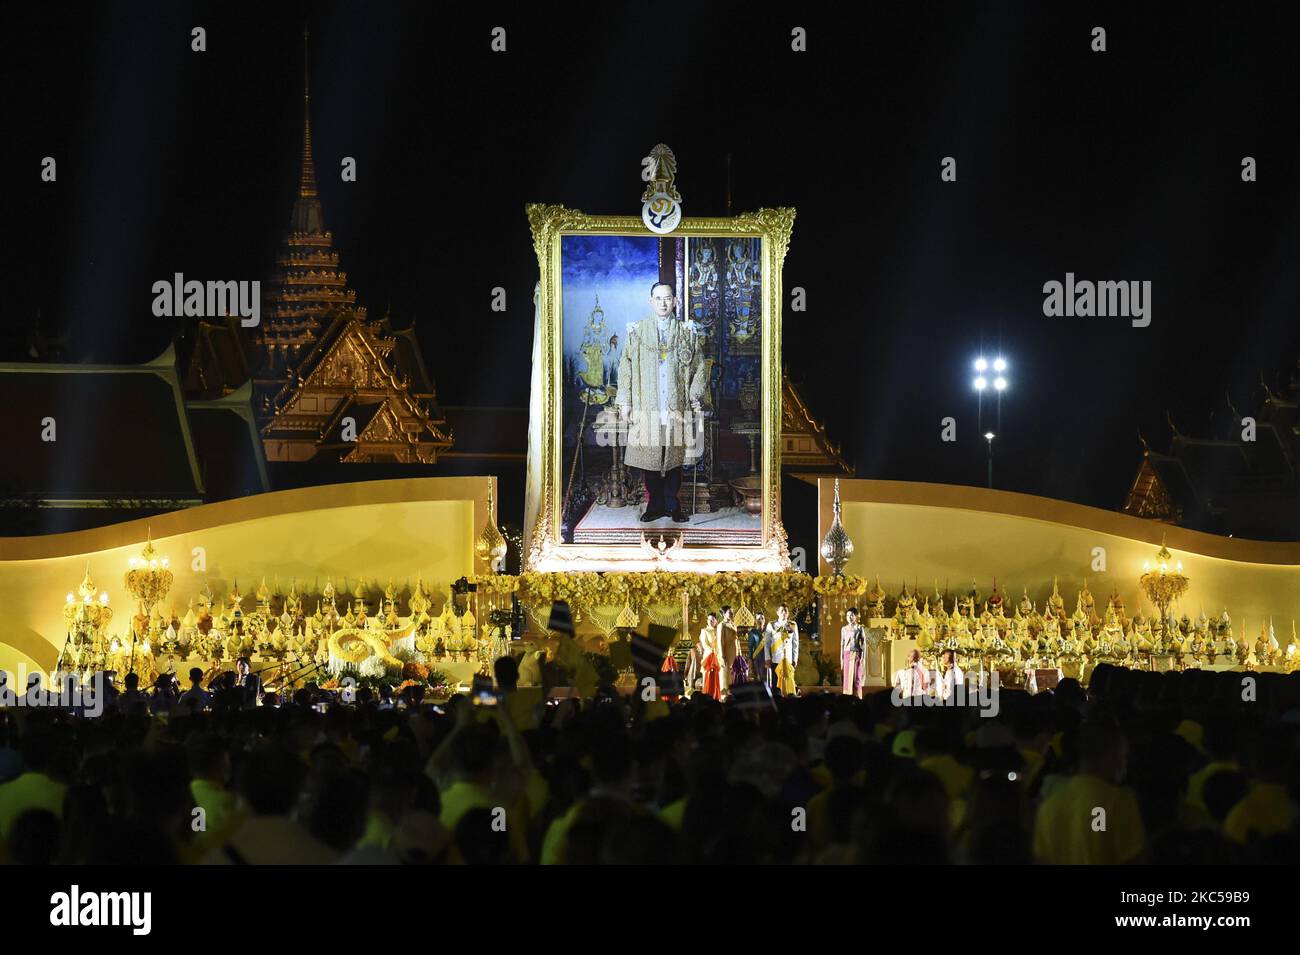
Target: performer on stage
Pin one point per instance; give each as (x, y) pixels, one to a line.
(782, 638)
(711, 657)
(912, 680)
(670, 666)
(729, 643)
(661, 386)
(759, 652)
(853, 653)
(740, 656)
(692, 675)
(951, 676)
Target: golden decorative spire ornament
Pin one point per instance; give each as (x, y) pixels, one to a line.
(419, 601)
(87, 621)
(491, 546)
(837, 547)
(148, 581)
(1162, 587)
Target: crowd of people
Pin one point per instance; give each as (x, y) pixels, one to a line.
(1139, 767)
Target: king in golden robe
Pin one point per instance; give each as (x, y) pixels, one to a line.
(661, 386)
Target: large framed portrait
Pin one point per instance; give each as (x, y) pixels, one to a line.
(660, 404)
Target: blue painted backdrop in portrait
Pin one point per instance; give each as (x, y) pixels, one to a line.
(620, 269)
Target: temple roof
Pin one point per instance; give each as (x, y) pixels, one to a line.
(213, 356)
(307, 214)
(228, 446)
(125, 444)
(806, 449)
(316, 354)
(120, 431)
(1224, 484)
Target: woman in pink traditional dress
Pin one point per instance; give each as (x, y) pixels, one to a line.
(852, 654)
(711, 658)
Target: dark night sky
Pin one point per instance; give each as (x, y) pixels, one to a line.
(1123, 165)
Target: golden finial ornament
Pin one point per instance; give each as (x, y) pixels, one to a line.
(491, 546)
(837, 547)
(149, 578)
(87, 623)
(1161, 586)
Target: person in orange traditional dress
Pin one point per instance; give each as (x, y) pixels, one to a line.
(711, 658)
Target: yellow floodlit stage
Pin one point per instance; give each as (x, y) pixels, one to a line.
(382, 530)
(362, 536)
(923, 533)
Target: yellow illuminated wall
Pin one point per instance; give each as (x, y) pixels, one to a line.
(927, 532)
(375, 529)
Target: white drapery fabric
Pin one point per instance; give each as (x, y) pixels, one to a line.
(536, 436)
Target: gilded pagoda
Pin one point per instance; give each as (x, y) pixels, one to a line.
(328, 382)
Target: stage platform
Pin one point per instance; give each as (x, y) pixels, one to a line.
(732, 526)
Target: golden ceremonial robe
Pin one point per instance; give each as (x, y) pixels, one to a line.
(659, 376)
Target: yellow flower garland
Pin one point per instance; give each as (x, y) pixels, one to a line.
(844, 585)
(589, 589)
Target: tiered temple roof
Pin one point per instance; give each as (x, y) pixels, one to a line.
(806, 449)
(1224, 484)
(328, 382)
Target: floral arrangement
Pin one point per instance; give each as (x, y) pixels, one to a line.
(497, 585)
(440, 684)
(616, 589)
(840, 585)
(372, 668)
(415, 672)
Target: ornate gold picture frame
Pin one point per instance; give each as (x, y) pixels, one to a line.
(661, 545)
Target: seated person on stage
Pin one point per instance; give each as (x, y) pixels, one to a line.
(951, 676)
(912, 680)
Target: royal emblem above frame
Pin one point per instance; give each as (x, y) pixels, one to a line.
(655, 440)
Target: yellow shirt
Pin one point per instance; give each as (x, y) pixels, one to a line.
(379, 831)
(218, 807)
(1196, 782)
(673, 814)
(557, 836)
(956, 778)
(29, 791)
(1264, 811)
(1033, 763)
(555, 845)
(818, 813)
(459, 798)
(1068, 828)
(522, 704)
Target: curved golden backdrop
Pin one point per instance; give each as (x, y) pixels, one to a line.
(923, 533)
(379, 530)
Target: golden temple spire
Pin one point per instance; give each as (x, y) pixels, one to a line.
(307, 216)
(307, 183)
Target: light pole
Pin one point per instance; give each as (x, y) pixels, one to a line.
(998, 367)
